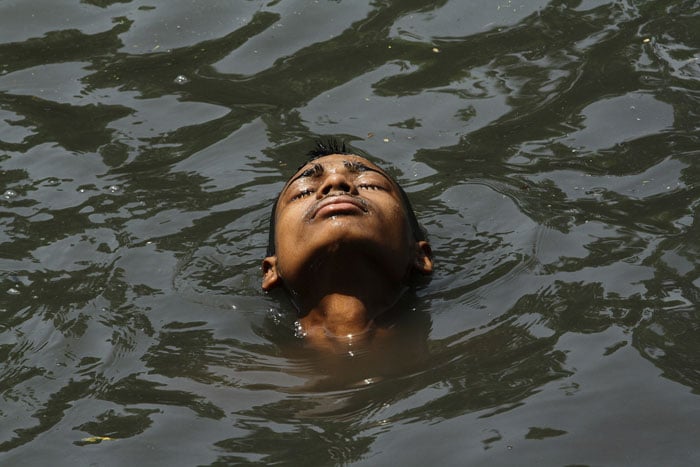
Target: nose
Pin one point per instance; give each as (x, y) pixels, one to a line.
(337, 181)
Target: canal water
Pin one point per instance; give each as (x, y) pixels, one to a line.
(550, 148)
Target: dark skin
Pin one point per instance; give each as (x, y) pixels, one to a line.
(344, 248)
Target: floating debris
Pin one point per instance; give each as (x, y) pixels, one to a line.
(95, 439)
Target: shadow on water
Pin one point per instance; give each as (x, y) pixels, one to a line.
(550, 149)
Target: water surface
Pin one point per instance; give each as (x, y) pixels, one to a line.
(550, 148)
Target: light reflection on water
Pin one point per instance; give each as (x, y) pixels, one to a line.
(549, 148)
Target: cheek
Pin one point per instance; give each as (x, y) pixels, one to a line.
(288, 228)
(398, 218)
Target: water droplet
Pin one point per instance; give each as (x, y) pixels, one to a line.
(13, 291)
(114, 188)
(234, 307)
(181, 79)
(299, 330)
(9, 194)
(275, 316)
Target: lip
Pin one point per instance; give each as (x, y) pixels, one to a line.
(338, 204)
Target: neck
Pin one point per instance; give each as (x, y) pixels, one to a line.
(342, 291)
(343, 324)
(339, 315)
(345, 305)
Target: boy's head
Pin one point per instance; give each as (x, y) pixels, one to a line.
(339, 203)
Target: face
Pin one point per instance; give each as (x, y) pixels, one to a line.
(342, 206)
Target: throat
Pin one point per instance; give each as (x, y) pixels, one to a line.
(339, 315)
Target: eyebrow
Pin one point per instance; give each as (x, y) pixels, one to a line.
(317, 170)
(354, 166)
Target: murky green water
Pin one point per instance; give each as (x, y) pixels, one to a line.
(550, 147)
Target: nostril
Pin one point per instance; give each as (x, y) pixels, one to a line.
(335, 184)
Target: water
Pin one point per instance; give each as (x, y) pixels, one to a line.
(550, 148)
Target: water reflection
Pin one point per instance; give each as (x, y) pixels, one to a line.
(549, 148)
(497, 369)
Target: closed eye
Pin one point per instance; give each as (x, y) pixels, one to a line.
(303, 193)
(367, 186)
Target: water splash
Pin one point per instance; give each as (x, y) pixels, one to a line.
(275, 316)
(299, 330)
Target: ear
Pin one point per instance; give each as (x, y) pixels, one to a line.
(271, 278)
(423, 261)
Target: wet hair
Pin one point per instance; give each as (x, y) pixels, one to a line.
(328, 147)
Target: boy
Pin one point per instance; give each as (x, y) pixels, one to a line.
(344, 242)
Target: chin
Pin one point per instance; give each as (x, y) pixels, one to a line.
(347, 231)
